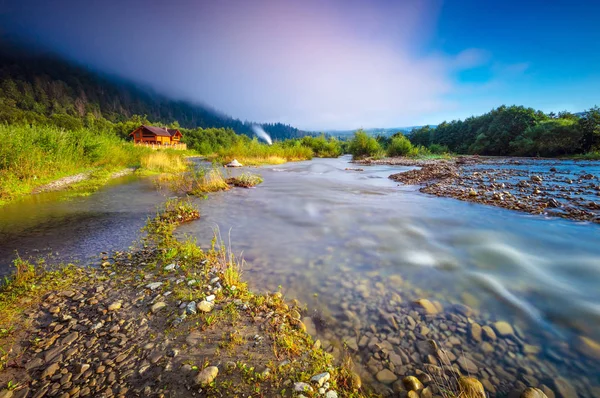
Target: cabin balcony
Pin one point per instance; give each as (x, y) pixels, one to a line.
(157, 145)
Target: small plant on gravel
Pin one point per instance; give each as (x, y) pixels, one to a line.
(245, 180)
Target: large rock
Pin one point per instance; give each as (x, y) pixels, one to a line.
(563, 388)
(475, 331)
(206, 306)
(471, 387)
(588, 347)
(233, 163)
(504, 329)
(411, 383)
(427, 306)
(386, 376)
(466, 365)
(206, 376)
(310, 326)
(321, 378)
(531, 392)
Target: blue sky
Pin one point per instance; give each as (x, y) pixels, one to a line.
(334, 64)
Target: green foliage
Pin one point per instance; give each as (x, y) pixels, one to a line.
(400, 146)
(323, 147)
(32, 156)
(515, 130)
(45, 90)
(363, 145)
(549, 138)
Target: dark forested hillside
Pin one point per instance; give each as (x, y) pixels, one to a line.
(39, 88)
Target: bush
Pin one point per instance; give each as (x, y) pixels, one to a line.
(399, 146)
(363, 145)
(438, 149)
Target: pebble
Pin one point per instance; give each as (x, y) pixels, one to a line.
(411, 383)
(321, 378)
(158, 306)
(471, 387)
(170, 267)
(531, 392)
(475, 331)
(154, 285)
(427, 306)
(115, 306)
(504, 329)
(302, 387)
(210, 298)
(489, 333)
(206, 306)
(190, 308)
(331, 394)
(206, 376)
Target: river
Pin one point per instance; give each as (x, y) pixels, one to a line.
(357, 248)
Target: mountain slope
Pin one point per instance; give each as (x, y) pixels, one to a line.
(36, 87)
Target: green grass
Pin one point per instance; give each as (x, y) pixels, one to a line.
(245, 180)
(254, 153)
(32, 156)
(587, 156)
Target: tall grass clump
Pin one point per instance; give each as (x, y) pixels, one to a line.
(167, 161)
(31, 156)
(363, 145)
(194, 181)
(255, 153)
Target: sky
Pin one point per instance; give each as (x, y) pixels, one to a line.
(333, 64)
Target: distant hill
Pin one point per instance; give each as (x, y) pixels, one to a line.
(36, 85)
(374, 131)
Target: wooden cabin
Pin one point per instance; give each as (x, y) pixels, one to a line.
(151, 135)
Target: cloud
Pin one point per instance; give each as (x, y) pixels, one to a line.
(312, 64)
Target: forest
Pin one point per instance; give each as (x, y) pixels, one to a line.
(516, 131)
(43, 89)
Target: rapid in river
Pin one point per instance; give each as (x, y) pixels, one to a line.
(512, 297)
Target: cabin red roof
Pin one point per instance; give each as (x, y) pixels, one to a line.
(161, 131)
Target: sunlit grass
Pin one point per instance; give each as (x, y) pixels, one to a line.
(254, 153)
(163, 162)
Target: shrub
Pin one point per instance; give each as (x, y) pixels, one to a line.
(400, 146)
(363, 145)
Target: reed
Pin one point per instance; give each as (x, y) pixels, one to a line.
(254, 153)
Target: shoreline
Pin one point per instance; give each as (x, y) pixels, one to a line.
(500, 182)
(152, 324)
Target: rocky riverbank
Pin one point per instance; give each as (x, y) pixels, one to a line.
(164, 320)
(538, 186)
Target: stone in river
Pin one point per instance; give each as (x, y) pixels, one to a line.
(411, 383)
(206, 376)
(588, 347)
(115, 306)
(486, 347)
(233, 163)
(489, 333)
(310, 326)
(471, 387)
(467, 365)
(386, 376)
(563, 388)
(475, 331)
(351, 343)
(412, 394)
(531, 392)
(427, 306)
(504, 329)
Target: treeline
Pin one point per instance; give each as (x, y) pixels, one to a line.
(362, 145)
(517, 131)
(228, 145)
(46, 90)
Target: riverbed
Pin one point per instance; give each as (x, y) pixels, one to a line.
(358, 249)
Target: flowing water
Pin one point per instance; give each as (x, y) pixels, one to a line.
(357, 248)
